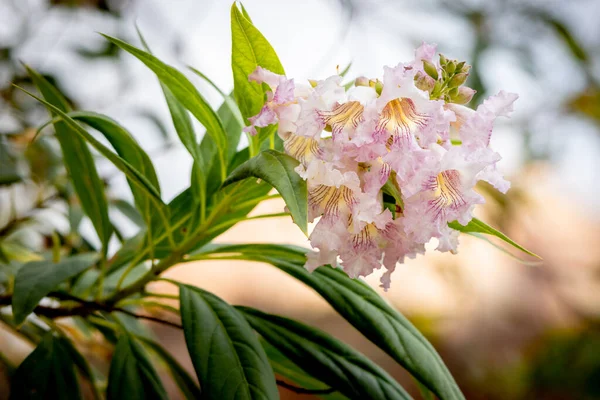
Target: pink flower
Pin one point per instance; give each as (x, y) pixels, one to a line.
(383, 176)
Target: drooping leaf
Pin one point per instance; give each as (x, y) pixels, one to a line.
(130, 151)
(478, 226)
(249, 50)
(36, 279)
(362, 307)
(183, 90)
(131, 375)
(78, 160)
(277, 169)
(184, 381)
(132, 173)
(321, 355)
(227, 357)
(47, 373)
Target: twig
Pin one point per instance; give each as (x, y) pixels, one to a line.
(86, 308)
(300, 390)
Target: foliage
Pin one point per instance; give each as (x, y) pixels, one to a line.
(106, 295)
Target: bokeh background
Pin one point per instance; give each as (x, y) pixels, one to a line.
(508, 328)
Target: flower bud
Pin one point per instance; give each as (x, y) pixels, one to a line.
(361, 81)
(443, 59)
(377, 85)
(465, 94)
(450, 67)
(424, 82)
(458, 80)
(430, 69)
(460, 65)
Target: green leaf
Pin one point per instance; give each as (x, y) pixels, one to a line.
(277, 169)
(130, 151)
(184, 381)
(362, 307)
(131, 374)
(183, 90)
(227, 357)
(133, 174)
(129, 211)
(283, 367)
(47, 373)
(36, 279)
(82, 364)
(478, 226)
(78, 161)
(249, 49)
(321, 355)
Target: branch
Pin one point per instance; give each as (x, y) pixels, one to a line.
(300, 390)
(85, 308)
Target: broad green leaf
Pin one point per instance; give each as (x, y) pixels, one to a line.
(47, 373)
(131, 374)
(183, 90)
(326, 358)
(362, 307)
(78, 160)
(36, 279)
(249, 49)
(184, 381)
(282, 366)
(277, 169)
(227, 357)
(478, 226)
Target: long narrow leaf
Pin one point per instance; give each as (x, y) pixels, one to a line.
(325, 357)
(362, 307)
(78, 161)
(185, 93)
(478, 226)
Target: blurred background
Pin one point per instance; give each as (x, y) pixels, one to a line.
(507, 328)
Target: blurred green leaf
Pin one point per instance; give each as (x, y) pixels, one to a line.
(277, 169)
(130, 172)
(249, 50)
(186, 94)
(47, 373)
(129, 211)
(320, 355)
(131, 375)
(477, 226)
(227, 357)
(9, 171)
(78, 160)
(36, 279)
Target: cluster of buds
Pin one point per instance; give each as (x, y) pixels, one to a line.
(388, 164)
(445, 81)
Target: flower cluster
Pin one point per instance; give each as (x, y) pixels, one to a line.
(388, 163)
